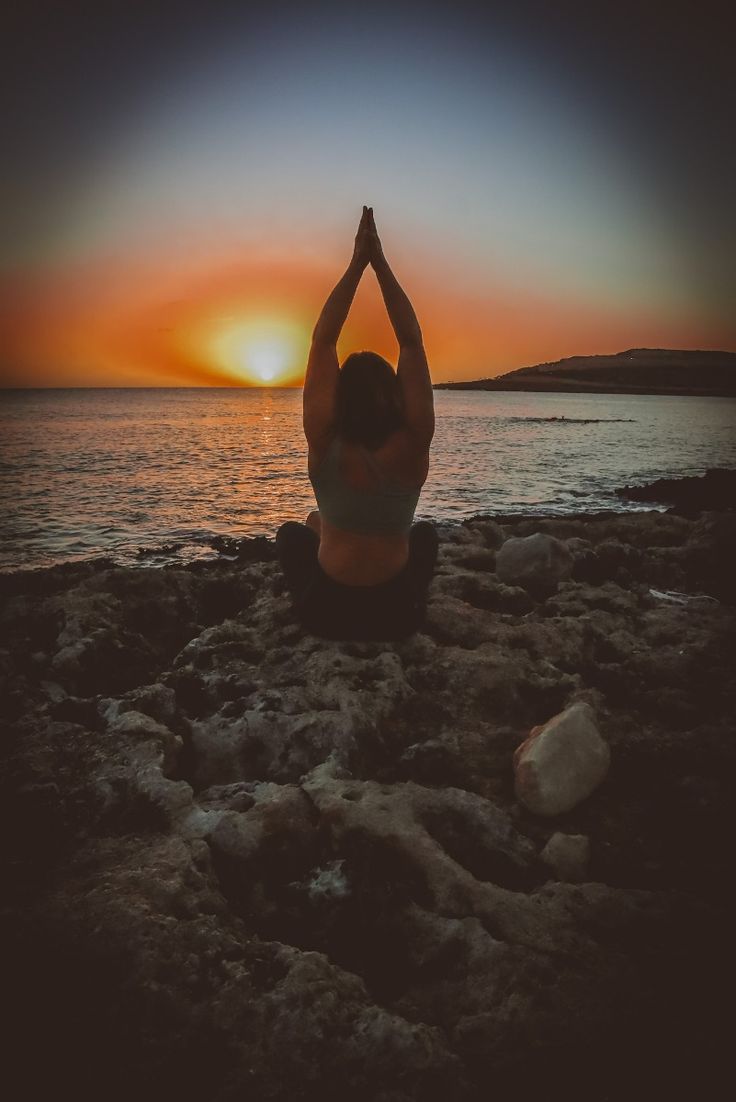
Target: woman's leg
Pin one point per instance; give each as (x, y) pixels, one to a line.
(296, 548)
(401, 603)
(423, 545)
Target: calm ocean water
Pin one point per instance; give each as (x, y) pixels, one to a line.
(90, 472)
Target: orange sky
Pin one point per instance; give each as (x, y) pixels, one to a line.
(181, 194)
(150, 322)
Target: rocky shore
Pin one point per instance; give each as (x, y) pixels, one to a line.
(716, 489)
(242, 862)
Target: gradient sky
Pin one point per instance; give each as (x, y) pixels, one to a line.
(183, 183)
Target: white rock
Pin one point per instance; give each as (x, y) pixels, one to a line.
(561, 762)
(567, 855)
(538, 563)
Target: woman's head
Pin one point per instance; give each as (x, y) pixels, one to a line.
(369, 402)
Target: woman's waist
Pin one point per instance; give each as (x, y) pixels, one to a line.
(358, 558)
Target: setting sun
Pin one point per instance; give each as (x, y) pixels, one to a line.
(261, 351)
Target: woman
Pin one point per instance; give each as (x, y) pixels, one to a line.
(358, 568)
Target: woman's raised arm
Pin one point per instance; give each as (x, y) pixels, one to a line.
(413, 369)
(320, 382)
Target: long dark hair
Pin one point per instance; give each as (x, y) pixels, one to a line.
(369, 400)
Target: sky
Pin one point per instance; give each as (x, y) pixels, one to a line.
(183, 182)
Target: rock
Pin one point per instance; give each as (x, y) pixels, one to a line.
(247, 548)
(300, 864)
(567, 855)
(577, 546)
(491, 532)
(328, 882)
(73, 709)
(155, 700)
(618, 561)
(561, 762)
(484, 591)
(538, 563)
(430, 761)
(141, 728)
(447, 841)
(449, 620)
(476, 558)
(450, 533)
(716, 489)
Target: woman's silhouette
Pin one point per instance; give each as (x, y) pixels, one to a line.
(359, 568)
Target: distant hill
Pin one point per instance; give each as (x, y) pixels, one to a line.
(636, 371)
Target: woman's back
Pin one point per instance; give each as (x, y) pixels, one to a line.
(366, 502)
(368, 490)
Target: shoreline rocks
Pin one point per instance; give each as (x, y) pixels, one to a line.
(716, 489)
(242, 861)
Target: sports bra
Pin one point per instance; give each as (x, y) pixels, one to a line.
(386, 510)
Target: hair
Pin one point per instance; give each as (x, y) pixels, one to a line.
(369, 399)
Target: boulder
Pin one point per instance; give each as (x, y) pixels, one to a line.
(538, 563)
(567, 855)
(561, 762)
(491, 532)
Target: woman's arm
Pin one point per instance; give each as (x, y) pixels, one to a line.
(320, 382)
(335, 310)
(413, 370)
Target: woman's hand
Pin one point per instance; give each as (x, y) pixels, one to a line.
(367, 242)
(376, 251)
(362, 250)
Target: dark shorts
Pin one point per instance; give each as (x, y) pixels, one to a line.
(391, 610)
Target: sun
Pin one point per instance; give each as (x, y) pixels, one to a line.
(261, 351)
(268, 359)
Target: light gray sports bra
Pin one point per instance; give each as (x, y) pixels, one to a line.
(386, 510)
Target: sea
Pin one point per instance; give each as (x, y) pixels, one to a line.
(153, 476)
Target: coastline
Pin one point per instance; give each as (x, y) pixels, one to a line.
(656, 371)
(563, 386)
(303, 862)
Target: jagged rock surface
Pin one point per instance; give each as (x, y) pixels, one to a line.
(241, 861)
